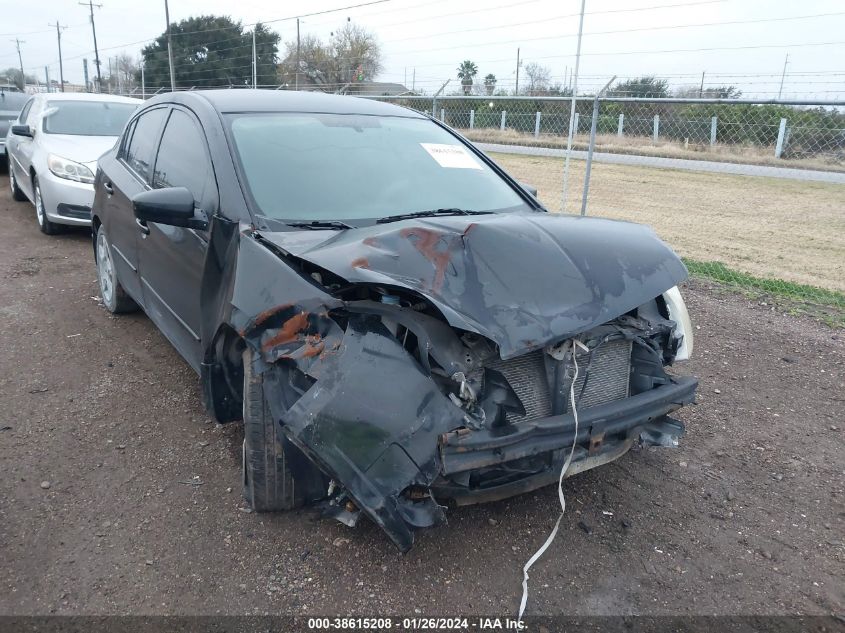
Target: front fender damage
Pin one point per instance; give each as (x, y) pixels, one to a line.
(372, 415)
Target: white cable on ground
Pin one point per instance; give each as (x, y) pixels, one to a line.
(563, 470)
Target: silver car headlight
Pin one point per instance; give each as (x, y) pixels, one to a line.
(678, 313)
(71, 170)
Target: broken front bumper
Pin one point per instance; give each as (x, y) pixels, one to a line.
(538, 449)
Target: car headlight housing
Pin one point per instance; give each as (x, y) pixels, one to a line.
(68, 169)
(683, 329)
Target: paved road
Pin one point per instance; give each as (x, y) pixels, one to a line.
(141, 510)
(674, 163)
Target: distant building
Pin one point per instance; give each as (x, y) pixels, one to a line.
(377, 89)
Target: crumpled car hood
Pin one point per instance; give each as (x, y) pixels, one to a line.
(522, 280)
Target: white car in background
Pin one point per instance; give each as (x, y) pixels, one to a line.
(53, 149)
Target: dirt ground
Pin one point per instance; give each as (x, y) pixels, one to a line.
(119, 495)
(769, 227)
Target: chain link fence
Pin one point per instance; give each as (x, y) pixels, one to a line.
(750, 194)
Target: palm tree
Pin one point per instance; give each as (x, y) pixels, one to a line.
(466, 73)
(490, 83)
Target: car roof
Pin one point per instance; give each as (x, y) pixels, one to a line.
(86, 96)
(248, 100)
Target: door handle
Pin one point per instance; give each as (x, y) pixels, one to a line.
(142, 226)
(107, 187)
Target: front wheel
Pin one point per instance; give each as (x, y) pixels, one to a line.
(47, 227)
(268, 481)
(114, 296)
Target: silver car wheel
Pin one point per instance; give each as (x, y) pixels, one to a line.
(11, 175)
(105, 269)
(39, 205)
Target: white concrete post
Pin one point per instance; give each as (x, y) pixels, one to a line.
(471, 119)
(575, 124)
(504, 117)
(443, 115)
(781, 136)
(656, 127)
(713, 123)
(537, 126)
(621, 126)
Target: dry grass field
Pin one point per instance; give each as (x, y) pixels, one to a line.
(643, 146)
(774, 228)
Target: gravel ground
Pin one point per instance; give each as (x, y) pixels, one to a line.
(119, 495)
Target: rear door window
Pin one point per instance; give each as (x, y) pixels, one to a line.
(139, 153)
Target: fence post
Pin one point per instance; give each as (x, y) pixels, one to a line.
(591, 147)
(575, 125)
(621, 125)
(656, 128)
(781, 136)
(471, 119)
(537, 126)
(713, 123)
(504, 117)
(443, 115)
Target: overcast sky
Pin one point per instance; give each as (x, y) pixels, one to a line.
(741, 42)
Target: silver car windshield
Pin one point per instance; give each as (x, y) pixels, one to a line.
(87, 118)
(309, 166)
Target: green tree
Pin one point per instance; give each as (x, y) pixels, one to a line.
(466, 73)
(490, 83)
(643, 87)
(211, 51)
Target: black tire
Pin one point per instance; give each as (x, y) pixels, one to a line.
(47, 227)
(112, 293)
(17, 193)
(268, 484)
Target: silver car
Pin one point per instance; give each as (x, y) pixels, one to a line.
(12, 101)
(53, 149)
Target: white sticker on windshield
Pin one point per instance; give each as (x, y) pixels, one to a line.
(451, 156)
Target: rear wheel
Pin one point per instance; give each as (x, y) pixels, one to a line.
(17, 192)
(114, 296)
(268, 482)
(47, 227)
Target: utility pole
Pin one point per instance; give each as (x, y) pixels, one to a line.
(254, 62)
(111, 73)
(516, 90)
(783, 75)
(572, 108)
(47, 77)
(296, 81)
(85, 73)
(20, 61)
(701, 89)
(91, 6)
(59, 28)
(143, 83)
(169, 48)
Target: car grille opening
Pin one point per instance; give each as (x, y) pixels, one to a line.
(527, 375)
(607, 374)
(603, 378)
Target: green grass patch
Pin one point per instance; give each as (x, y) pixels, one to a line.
(827, 305)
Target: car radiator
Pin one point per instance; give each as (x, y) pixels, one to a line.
(606, 375)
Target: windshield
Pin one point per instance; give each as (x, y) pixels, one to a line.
(309, 166)
(87, 118)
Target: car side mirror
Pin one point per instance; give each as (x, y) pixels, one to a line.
(173, 206)
(22, 130)
(529, 188)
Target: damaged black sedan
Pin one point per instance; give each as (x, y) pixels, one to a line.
(400, 325)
